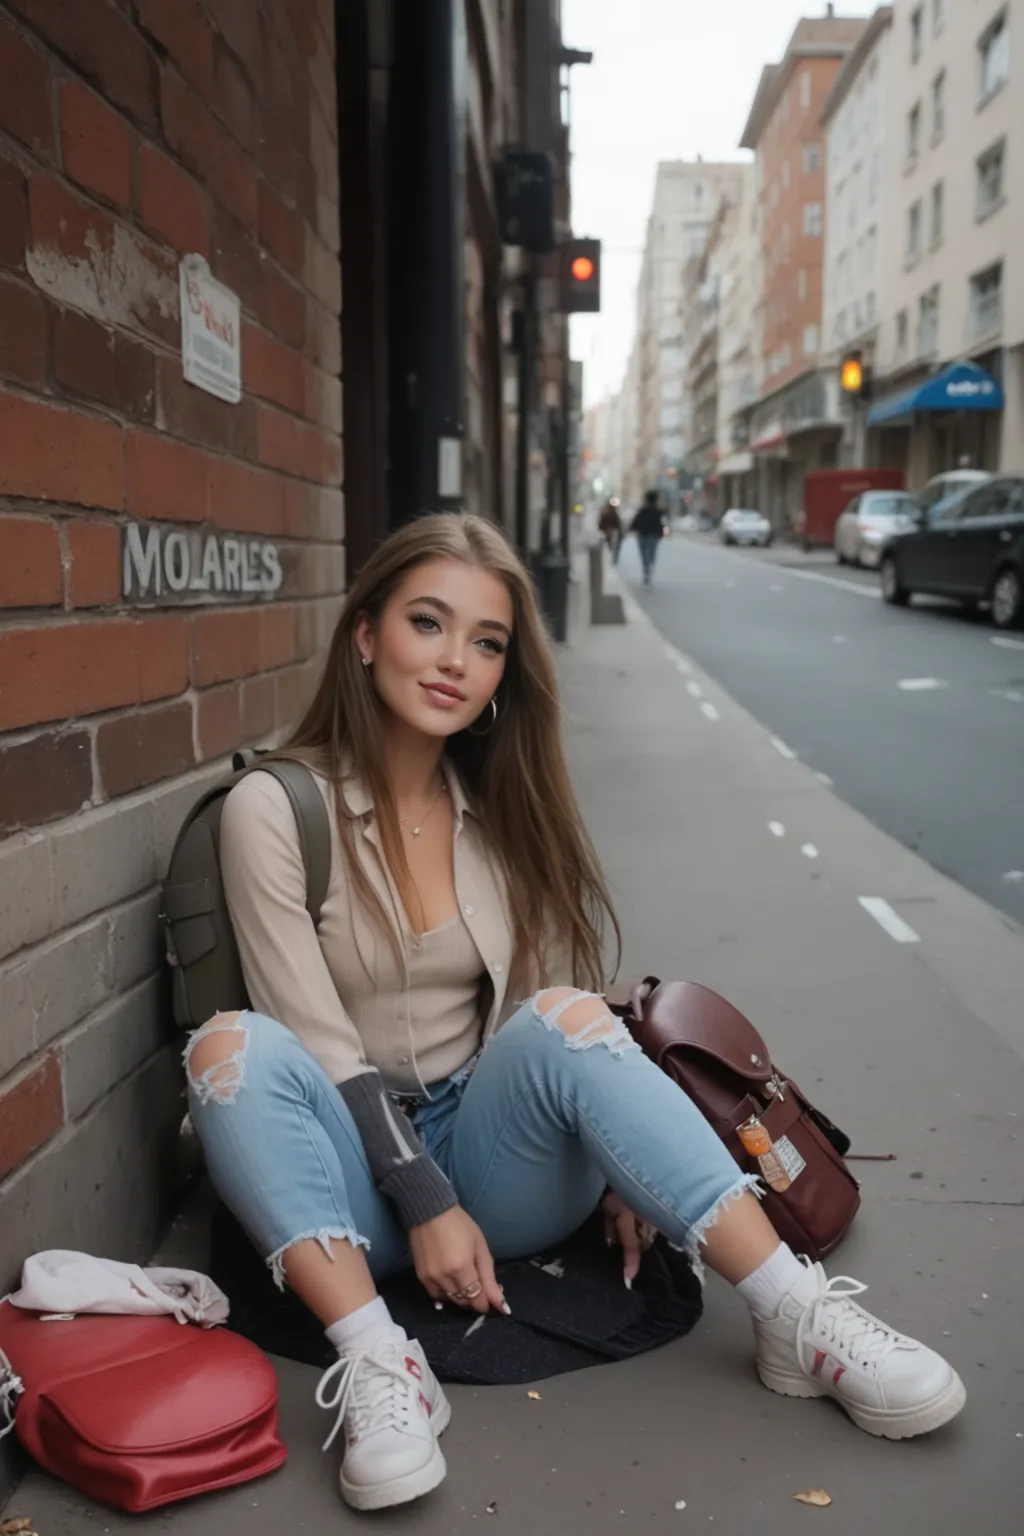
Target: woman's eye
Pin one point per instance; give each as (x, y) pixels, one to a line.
(492, 647)
(426, 622)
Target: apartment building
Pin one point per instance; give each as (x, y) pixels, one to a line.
(796, 425)
(954, 231)
(739, 346)
(856, 157)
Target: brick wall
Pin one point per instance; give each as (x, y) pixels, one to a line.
(131, 132)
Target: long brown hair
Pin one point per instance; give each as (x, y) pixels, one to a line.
(515, 775)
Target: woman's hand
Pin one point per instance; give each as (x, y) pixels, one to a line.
(451, 1255)
(634, 1236)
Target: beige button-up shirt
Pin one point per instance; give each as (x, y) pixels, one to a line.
(340, 987)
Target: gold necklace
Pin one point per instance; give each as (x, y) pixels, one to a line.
(415, 831)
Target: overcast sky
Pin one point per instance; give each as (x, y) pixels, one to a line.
(671, 79)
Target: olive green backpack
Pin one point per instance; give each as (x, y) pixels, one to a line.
(201, 950)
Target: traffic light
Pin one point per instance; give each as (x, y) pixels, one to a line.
(581, 277)
(855, 377)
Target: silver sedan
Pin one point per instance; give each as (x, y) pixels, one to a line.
(869, 522)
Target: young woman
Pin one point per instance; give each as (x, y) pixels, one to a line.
(390, 1103)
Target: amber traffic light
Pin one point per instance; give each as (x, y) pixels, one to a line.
(581, 277)
(852, 375)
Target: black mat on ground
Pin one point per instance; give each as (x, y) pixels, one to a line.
(570, 1309)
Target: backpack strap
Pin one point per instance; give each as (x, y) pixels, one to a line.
(313, 825)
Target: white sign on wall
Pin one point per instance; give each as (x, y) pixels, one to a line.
(183, 566)
(211, 332)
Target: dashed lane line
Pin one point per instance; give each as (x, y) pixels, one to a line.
(878, 908)
(781, 747)
(776, 829)
(710, 712)
(809, 851)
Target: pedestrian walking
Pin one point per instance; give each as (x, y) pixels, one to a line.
(387, 1105)
(610, 526)
(650, 526)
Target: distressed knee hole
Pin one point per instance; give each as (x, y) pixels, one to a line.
(215, 1059)
(583, 1019)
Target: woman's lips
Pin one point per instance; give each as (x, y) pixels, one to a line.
(443, 698)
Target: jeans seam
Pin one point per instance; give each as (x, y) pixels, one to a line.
(341, 1218)
(530, 1088)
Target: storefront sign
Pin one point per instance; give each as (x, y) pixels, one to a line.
(173, 565)
(211, 332)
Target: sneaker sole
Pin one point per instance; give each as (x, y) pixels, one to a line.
(402, 1490)
(886, 1423)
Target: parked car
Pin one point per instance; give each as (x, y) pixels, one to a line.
(869, 522)
(742, 526)
(941, 487)
(969, 547)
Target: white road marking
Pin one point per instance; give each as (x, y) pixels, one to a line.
(1012, 694)
(710, 711)
(1007, 642)
(835, 581)
(823, 778)
(695, 690)
(781, 748)
(885, 917)
(776, 829)
(920, 684)
(809, 851)
(682, 665)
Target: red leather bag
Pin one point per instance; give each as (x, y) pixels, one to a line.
(721, 1062)
(138, 1412)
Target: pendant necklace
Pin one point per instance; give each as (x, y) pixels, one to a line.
(415, 831)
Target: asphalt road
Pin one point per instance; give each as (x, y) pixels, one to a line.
(915, 715)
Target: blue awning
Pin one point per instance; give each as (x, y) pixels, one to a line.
(960, 387)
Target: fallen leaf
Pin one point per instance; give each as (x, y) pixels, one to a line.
(816, 1496)
(492, 1508)
(535, 1396)
(12, 1527)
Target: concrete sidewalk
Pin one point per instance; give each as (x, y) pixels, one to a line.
(916, 1049)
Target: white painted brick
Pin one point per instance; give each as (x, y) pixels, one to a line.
(26, 892)
(17, 1017)
(112, 1044)
(102, 858)
(171, 804)
(136, 943)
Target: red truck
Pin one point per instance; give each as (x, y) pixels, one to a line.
(827, 493)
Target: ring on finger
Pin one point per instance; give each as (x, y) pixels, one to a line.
(467, 1293)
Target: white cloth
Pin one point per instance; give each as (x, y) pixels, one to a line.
(62, 1283)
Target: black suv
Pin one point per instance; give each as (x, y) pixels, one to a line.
(969, 547)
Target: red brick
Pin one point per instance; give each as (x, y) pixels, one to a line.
(54, 455)
(232, 98)
(45, 777)
(282, 306)
(201, 418)
(104, 365)
(225, 645)
(93, 563)
(23, 334)
(321, 455)
(205, 148)
(30, 568)
(144, 747)
(282, 230)
(170, 204)
(104, 46)
(278, 157)
(13, 215)
(161, 645)
(165, 479)
(219, 721)
(271, 370)
(245, 500)
(295, 687)
(279, 441)
(277, 636)
(31, 1111)
(323, 337)
(96, 144)
(325, 16)
(62, 670)
(323, 275)
(243, 30)
(26, 101)
(302, 21)
(236, 259)
(180, 27)
(306, 191)
(259, 708)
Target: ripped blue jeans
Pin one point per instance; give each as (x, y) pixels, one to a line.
(549, 1116)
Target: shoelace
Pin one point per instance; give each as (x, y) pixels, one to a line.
(833, 1315)
(374, 1385)
(11, 1388)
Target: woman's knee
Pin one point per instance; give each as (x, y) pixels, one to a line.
(583, 1019)
(215, 1058)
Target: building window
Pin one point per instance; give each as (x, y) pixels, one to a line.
(801, 284)
(928, 322)
(812, 158)
(805, 89)
(990, 180)
(914, 233)
(812, 218)
(902, 329)
(939, 108)
(938, 213)
(810, 341)
(914, 133)
(986, 314)
(994, 54)
(916, 33)
(938, 16)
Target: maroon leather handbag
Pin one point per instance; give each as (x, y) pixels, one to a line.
(138, 1412)
(721, 1062)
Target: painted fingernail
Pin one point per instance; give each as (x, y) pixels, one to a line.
(628, 1282)
(506, 1309)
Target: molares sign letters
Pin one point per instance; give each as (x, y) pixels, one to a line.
(170, 565)
(211, 343)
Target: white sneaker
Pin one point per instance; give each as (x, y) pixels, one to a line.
(822, 1344)
(392, 1409)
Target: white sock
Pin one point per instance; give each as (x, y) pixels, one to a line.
(359, 1327)
(765, 1289)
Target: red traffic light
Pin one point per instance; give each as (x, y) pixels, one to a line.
(581, 276)
(583, 269)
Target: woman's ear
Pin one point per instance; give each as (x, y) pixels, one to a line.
(364, 639)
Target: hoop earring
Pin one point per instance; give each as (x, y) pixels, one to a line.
(492, 723)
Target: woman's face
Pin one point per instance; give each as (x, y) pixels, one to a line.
(437, 652)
